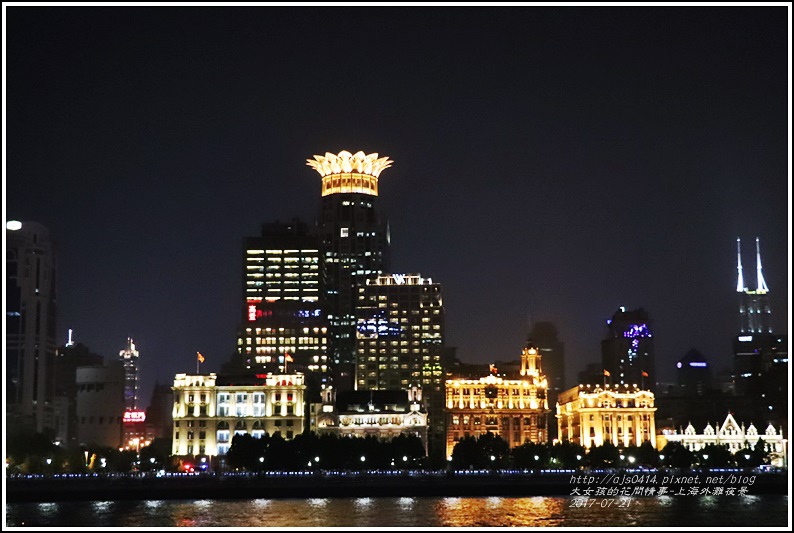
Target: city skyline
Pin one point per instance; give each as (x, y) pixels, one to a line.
(549, 165)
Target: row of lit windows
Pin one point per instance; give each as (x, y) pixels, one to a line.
(494, 420)
(278, 252)
(285, 340)
(257, 397)
(285, 330)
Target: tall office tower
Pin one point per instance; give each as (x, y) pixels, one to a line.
(355, 244)
(754, 312)
(627, 353)
(545, 336)
(284, 323)
(400, 342)
(30, 325)
(693, 374)
(68, 358)
(760, 357)
(130, 358)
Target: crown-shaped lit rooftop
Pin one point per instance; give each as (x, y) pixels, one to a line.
(349, 173)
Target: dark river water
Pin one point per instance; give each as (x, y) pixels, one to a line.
(540, 511)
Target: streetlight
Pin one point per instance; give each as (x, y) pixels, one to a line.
(363, 458)
(578, 457)
(405, 458)
(631, 459)
(661, 457)
(261, 459)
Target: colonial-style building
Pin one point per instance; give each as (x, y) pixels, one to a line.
(379, 413)
(210, 409)
(591, 415)
(734, 437)
(514, 409)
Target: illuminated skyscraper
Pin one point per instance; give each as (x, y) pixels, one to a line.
(130, 358)
(627, 352)
(354, 241)
(30, 325)
(754, 312)
(760, 357)
(284, 323)
(400, 341)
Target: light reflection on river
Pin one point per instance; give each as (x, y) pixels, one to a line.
(667, 511)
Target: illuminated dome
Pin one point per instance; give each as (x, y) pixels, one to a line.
(349, 173)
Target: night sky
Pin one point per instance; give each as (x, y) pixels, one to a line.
(550, 164)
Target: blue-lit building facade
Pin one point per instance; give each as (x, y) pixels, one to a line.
(627, 352)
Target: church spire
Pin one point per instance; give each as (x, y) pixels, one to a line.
(740, 281)
(761, 287)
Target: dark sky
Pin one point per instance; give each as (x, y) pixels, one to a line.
(550, 164)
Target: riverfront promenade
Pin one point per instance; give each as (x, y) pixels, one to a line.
(395, 483)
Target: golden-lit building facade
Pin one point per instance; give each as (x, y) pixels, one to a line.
(209, 410)
(591, 415)
(515, 409)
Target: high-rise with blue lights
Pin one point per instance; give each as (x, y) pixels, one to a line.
(400, 342)
(627, 352)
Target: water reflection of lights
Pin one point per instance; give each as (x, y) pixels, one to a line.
(101, 506)
(406, 503)
(47, 508)
(534, 511)
(154, 504)
(202, 504)
(261, 502)
(318, 502)
(363, 502)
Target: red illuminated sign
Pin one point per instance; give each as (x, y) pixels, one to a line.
(254, 313)
(134, 417)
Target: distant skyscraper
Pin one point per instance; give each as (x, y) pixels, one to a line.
(760, 357)
(67, 359)
(627, 352)
(400, 341)
(130, 358)
(694, 375)
(754, 312)
(284, 314)
(544, 335)
(30, 325)
(354, 240)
